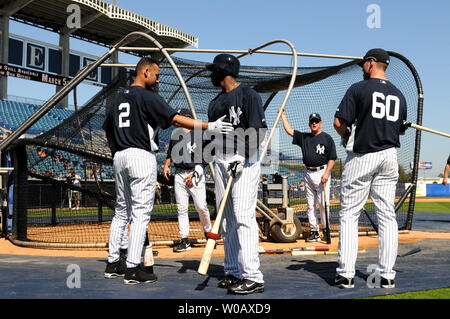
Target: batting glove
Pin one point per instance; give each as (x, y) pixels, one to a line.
(236, 166)
(197, 176)
(404, 126)
(220, 126)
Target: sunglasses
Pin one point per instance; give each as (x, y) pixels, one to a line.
(314, 122)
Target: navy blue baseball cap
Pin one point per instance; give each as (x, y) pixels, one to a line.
(377, 54)
(315, 116)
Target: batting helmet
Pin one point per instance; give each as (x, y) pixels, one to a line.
(225, 62)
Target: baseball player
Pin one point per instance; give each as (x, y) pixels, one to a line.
(374, 109)
(446, 170)
(189, 179)
(76, 195)
(131, 127)
(237, 156)
(319, 155)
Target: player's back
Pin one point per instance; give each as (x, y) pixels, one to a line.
(136, 113)
(378, 115)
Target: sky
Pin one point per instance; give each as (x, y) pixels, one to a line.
(419, 30)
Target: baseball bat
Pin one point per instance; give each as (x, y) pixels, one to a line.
(412, 251)
(422, 128)
(146, 244)
(308, 253)
(211, 243)
(327, 227)
(274, 251)
(312, 248)
(290, 250)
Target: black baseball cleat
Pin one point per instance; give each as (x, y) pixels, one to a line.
(184, 245)
(115, 269)
(313, 236)
(387, 283)
(228, 281)
(245, 287)
(342, 282)
(136, 275)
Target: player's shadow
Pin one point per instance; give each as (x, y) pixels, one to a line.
(325, 270)
(105, 261)
(214, 271)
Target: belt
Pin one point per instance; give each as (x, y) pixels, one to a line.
(315, 169)
(184, 169)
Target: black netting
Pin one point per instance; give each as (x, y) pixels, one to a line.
(79, 143)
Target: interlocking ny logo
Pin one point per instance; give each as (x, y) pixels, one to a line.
(191, 147)
(320, 149)
(235, 113)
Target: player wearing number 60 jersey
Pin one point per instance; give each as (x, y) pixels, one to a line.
(374, 109)
(131, 127)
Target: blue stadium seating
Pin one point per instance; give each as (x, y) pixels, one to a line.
(13, 114)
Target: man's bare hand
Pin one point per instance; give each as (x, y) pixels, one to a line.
(188, 180)
(325, 178)
(166, 172)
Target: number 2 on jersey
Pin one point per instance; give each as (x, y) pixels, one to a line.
(380, 109)
(124, 109)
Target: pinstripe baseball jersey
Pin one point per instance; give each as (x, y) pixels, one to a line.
(138, 113)
(375, 110)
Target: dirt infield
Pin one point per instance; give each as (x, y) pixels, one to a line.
(6, 247)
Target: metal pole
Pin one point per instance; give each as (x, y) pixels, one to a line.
(249, 51)
(285, 188)
(288, 92)
(200, 67)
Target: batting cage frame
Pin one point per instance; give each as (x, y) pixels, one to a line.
(80, 139)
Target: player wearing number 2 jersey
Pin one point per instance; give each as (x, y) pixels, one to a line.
(374, 110)
(131, 127)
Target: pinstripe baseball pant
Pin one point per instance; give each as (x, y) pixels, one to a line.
(314, 195)
(198, 194)
(135, 174)
(239, 227)
(375, 175)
